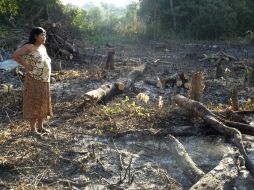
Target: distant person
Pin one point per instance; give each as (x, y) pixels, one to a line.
(36, 99)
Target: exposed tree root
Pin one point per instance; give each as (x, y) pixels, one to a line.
(184, 160)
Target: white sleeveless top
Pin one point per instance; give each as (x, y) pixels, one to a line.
(41, 65)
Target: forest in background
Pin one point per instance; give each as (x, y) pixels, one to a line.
(147, 19)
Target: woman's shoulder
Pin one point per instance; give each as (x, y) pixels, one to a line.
(43, 47)
(25, 49)
(28, 47)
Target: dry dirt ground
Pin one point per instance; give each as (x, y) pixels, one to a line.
(97, 147)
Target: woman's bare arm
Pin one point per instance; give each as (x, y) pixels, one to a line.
(24, 50)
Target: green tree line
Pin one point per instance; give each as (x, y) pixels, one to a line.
(152, 19)
(199, 19)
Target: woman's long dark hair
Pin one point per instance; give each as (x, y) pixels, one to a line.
(35, 32)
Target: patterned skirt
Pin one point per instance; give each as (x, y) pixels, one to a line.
(36, 99)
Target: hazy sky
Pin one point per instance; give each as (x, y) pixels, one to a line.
(118, 3)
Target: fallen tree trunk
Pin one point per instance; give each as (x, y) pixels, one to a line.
(243, 128)
(106, 92)
(221, 176)
(178, 80)
(102, 94)
(201, 111)
(244, 112)
(173, 80)
(136, 75)
(241, 112)
(233, 119)
(153, 82)
(230, 57)
(234, 116)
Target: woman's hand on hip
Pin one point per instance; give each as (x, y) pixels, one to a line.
(28, 67)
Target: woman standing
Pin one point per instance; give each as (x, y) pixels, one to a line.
(37, 99)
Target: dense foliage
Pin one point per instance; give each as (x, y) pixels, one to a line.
(154, 19)
(198, 19)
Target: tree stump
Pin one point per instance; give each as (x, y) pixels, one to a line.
(197, 87)
(110, 59)
(59, 66)
(234, 99)
(219, 70)
(248, 76)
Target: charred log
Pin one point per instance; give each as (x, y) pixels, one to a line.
(136, 75)
(179, 80)
(102, 94)
(242, 127)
